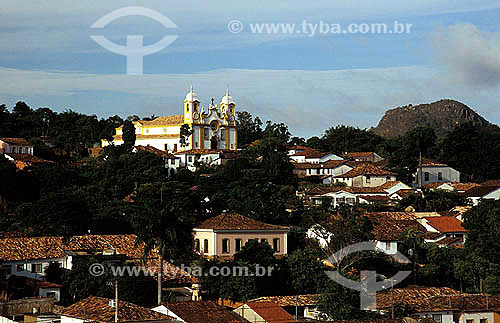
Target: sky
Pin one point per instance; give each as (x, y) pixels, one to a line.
(310, 82)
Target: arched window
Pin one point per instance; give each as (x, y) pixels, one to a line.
(187, 107)
(197, 244)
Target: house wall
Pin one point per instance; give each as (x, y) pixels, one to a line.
(43, 292)
(393, 247)
(477, 316)
(208, 235)
(6, 148)
(448, 174)
(245, 236)
(374, 181)
(249, 314)
(446, 317)
(28, 267)
(67, 319)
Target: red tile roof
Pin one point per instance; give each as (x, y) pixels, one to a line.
(203, 311)
(429, 162)
(330, 164)
(162, 121)
(389, 227)
(445, 224)
(292, 300)
(360, 154)
(271, 312)
(97, 309)
(16, 141)
(204, 151)
(411, 295)
(366, 169)
(480, 191)
(233, 221)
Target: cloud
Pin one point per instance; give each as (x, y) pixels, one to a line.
(472, 56)
(308, 101)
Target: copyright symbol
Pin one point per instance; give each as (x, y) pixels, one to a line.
(235, 26)
(96, 269)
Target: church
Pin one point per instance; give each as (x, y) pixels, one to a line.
(212, 129)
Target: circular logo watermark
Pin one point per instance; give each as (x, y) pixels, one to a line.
(96, 269)
(368, 284)
(235, 26)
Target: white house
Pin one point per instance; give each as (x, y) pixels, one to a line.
(329, 168)
(15, 146)
(435, 172)
(476, 194)
(366, 175)
(194, 158)
(313, 156)
(367, 156)
(224, 235)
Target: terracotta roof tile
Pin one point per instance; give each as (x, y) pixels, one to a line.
(389, 226)
(445, 224)
(161, 121)
(411, 295)
(359, 154)
(233, 221)
(203, 311)
(145, 137)
(480, 191)
(204, 151)
(430, 162)
(271, 312)
(366, 169)
(97, 309)
(458, 302)
(16, 141)
(292, 300)
(28, 158)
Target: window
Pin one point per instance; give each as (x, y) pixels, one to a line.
(164, 130)
(426, 176)
(20, 268)
(51, 294)
(205, 133)
(350, 200)
(166, 147)
(440, 176)
(14, 150)
(190, 159)
(187, 107)
(222, 134)
(388, 178)
(205, 246)
(147, 130)
(483, 320)
(36, 268)
(175, 147)
(237, 245)
(276, 244)
(195, 107)
(469, 321)
(368, 179)
(437, 317)
(225, 245)
(197, 244)
(387, 245)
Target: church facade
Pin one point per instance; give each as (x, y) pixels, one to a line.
(212, 129)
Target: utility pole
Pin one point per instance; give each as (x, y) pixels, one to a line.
(421, 179)
(116, 301)
(392, 299)
(296, 307)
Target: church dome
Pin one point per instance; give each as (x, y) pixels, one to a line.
(191, 96)
(227, 99)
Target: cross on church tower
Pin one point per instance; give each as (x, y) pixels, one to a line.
(212, 101)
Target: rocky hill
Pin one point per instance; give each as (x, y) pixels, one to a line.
(442, 115)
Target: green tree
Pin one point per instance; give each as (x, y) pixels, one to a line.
(185, 133)
(249, 129)
(307, 273)
(129, 136)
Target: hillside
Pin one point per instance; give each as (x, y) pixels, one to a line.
(441, 115)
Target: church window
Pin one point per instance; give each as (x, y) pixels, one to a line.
(195, 107)
(164, 130)
(187, 107)
(205, 133)
(205, 246)
(223, 134)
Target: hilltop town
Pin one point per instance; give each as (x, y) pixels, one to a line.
(215, 216)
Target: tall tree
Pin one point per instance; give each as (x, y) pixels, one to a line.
(128, 136)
